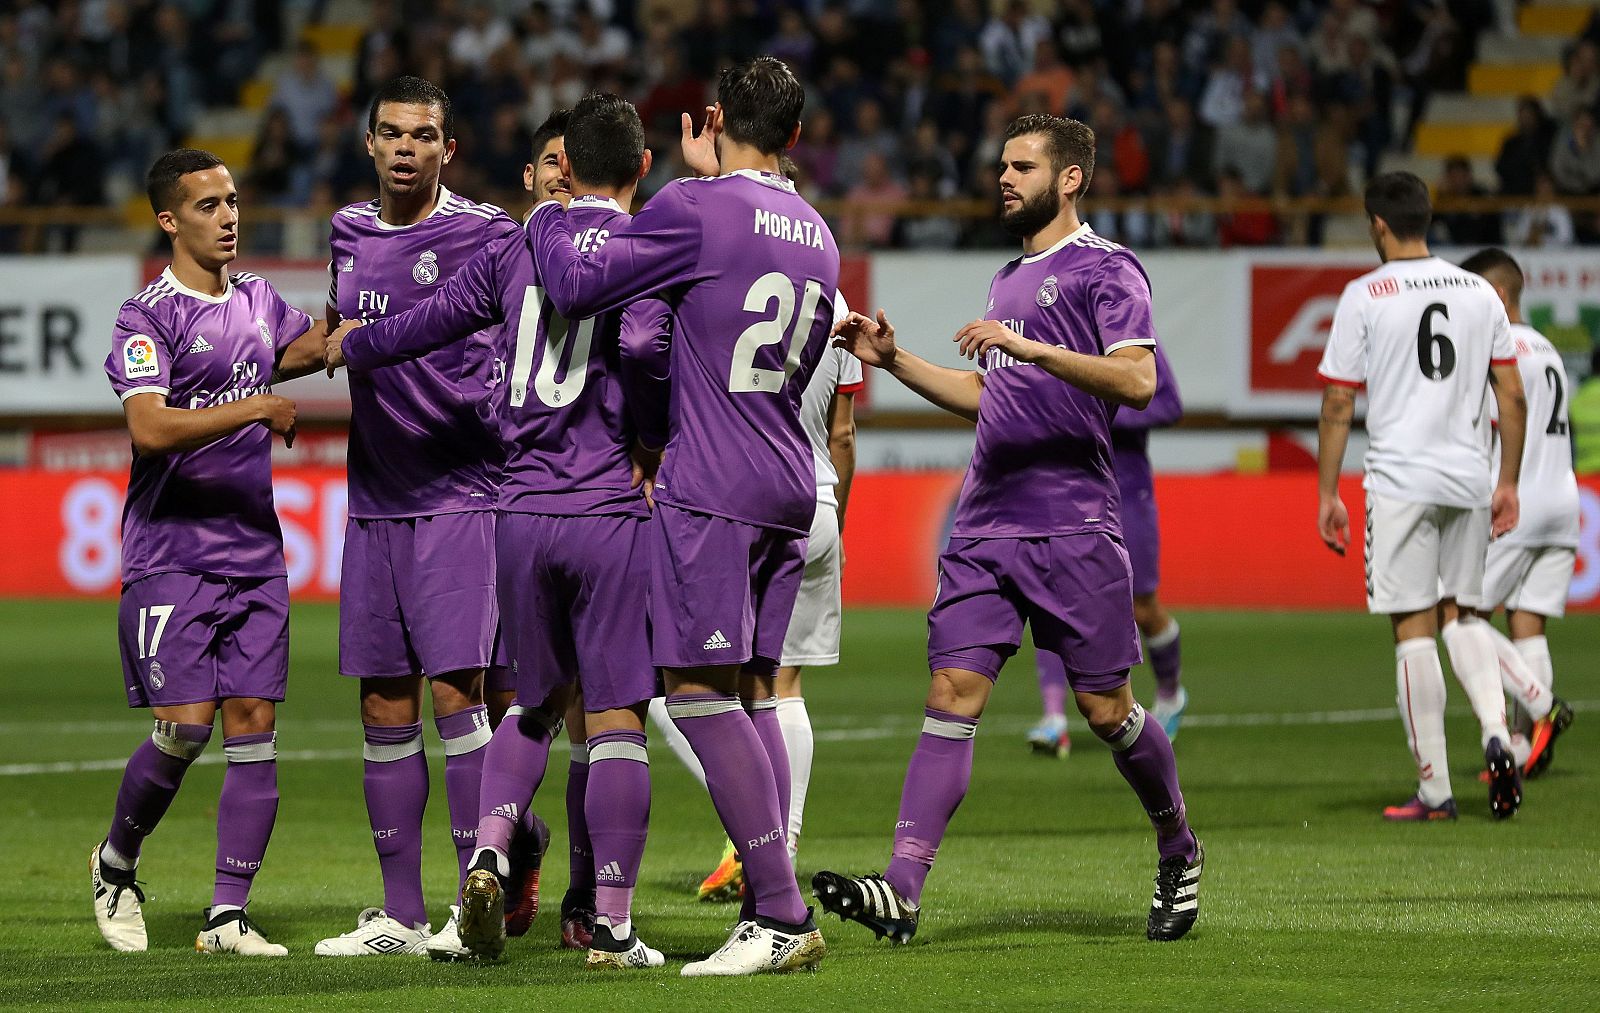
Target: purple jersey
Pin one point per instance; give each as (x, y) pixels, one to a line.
(1130, 429)
(749, 270)
(207, 510)
(561, 412)
(1042, 464)
(421, 438)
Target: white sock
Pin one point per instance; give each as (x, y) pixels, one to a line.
(1521, 749)
(1518, 678)
(502, 861)
(618, 932)
(797, 739)
(1472, 656)
(674, 739)
(1536, 652)
(116, 859)
(1419, 678)
(222, 909)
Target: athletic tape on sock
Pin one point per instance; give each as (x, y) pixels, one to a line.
(618, 751)
(389, 752)
(765, 704)
(701, 706)
(514, 710)
(180, 741)
(944, 729)
(474, 737)
(251, 748)
(580, 752)
(1126, 734)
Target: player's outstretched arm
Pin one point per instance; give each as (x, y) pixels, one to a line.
(1126, 376)
(1513, 406)
(303, 355)
(462, 306)
(158, 429)
(1333, 435)
(842, 446)
(645, 369)
(872, 341)
(659, 248)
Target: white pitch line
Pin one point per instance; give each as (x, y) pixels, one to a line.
(885, 731)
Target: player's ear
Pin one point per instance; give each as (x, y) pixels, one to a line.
(645, 163)
(371, 152)
(716, 118)
(527, 177)
(168, 223)
(564, 164)
(449, 151)
(794, 138)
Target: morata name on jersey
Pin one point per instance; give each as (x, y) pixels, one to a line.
(790, 230)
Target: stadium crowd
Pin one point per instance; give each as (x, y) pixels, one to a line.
(907, 99)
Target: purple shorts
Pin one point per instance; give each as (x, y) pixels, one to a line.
(721, 591)
(572, 598)
(197, 638)
(417, 595)
(1141, 533)
(1074, 591)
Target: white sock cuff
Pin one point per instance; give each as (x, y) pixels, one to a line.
(472, 739)
(389, 752)
(679, 708)
(1126, 734)
(957, 730)
(769, 703)
(1164, 638)
(1533, 647)
(580, 752)
(1416, 645)
(619, 751)
(791, 703)
(252, 752)
(165, 736)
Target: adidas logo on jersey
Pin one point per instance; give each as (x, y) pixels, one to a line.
(717, 642)
(200, 344)
(349, 265)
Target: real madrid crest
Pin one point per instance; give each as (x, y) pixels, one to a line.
(158, 678)
(426, 270)
(266, 333)
(1046, 296)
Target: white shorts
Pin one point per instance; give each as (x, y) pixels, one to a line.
(1419, 553)
(813, 637)
(1528, 578)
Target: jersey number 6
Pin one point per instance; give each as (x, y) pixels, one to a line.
(1435, 354)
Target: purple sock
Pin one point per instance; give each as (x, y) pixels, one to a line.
(764, 715)
(513, 767)
(1052, 685)
(617, 808)
(396, 785)
(245, 815)
(465, 735)
(936, 782)
(150, 782)
(739, 779)
(1144, 756)
(1166, 659)
(580, 846)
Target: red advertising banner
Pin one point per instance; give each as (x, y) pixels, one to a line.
(1291, 312)
(1228, 541)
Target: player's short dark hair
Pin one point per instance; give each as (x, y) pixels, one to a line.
(1496, 259)
(1070, 142)
(554, 125)
(409, 90)
(1401, 200)
(761, 103)
(161, 182)
(605, 140)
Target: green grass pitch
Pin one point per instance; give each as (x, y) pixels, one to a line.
(1310, 901)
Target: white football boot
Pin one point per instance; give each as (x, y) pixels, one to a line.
(116, 906)
(758, 949)
(607, 951)
(376, 935)
(233, 932)
(446, 944)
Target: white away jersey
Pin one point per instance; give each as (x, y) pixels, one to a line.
(1547, 490)
(1420, 335)
(837, 370)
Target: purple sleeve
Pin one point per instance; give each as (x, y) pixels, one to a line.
(465, 304)
(646, 371)
(141, 356)
(1164, 409)
(659, 248)
(290, 323)
(1119, 298)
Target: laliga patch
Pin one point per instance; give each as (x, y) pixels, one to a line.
(139, 357)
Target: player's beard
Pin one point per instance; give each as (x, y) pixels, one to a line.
(1032, 215)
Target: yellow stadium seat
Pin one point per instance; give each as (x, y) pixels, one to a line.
(256, 93)
(334, 40)
(1565, 20)
(1460, 138)
(1513, 78)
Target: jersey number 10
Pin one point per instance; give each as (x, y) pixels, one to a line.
(563, 340)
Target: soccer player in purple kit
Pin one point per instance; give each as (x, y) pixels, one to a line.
(203, 622)
(1141, 531)
(1037, 536)
(416, 595)
(571, 531)
(749, 270)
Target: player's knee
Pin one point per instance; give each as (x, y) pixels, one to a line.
(959, 692)
(456, 691)
(251, 748)
(248, 716)
(1105, 712)
(181, 741)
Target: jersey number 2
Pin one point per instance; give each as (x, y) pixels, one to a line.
(1557, 426)
(1435, 354)
(560, 336)
(744, 376)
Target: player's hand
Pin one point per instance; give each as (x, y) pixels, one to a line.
(645, 463)
(981, 335)
(278, 414)
(871, 341)
(700, 149)
(1504, 510)
(333, 345)
(1333, 523)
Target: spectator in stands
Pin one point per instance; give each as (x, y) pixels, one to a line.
(275, 159)
(1182, 227)
(1094, 83)
(1294, 171)
(1366, 85)
(870, 137)
(1120, 147)
(1526, 150)
(1579, 87)
(601, 46)
(1240, 226)
(1048, 86)
(1077, 33)
(1232, 78)
(1182, 148)
(1212, 34)
(926, 231)
(1290, 81)
(1438, 61)
(1463, 228)
(1342, 22)
(793, 42)
(20, 104)
(928, 155)
(1545, 224)
(543, 39)
(338, 164)
(1129, 226)
(965, 93)
(1249, 148)
(305, 94)
(386, 36)
(817, 154)
(1575, 158)
(1010, 39)
(1271, 37)
(481, 33)
(869, 222)
(956, 31)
